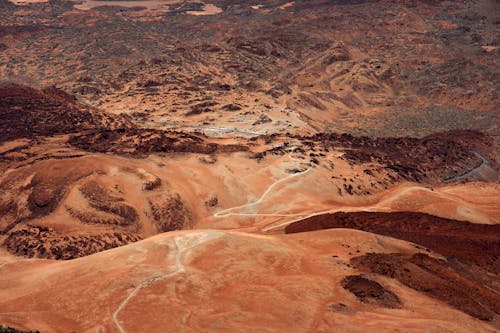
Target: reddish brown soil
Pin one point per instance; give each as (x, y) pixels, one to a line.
(101, 200)
(170, 212)
(145, 141)
(478, 244)
(26, 113)
(47, 187)
(437, 279)
(371, 292)
(432, 157)
(8, 329)
(41, 242)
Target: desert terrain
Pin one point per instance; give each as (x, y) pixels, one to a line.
(249, 166)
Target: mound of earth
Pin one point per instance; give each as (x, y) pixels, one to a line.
(146, 141)
(27, 113)
(441, 157)
(100, 199)
(429, 159)
(477, 244)
(438, 279)
(42, 242)
(240, 281)
(85, 205)
(369, 291)
(170, 213)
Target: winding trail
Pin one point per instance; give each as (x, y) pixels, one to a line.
(301, 216)
(297, 216)
(182, 244)
(229, 211)
(484, 163)
(382, 205)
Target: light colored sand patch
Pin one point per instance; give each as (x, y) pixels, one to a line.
(208, 9)
(26, 2)
(149, 4)
(489, 48)
(11, 145)
(288, 4)
(448, 25)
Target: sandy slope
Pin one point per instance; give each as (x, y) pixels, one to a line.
(214, 281)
